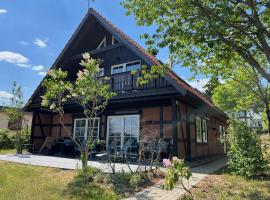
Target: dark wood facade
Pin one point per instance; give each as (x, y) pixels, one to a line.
(166, 105)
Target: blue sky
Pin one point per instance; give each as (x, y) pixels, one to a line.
(34, 32)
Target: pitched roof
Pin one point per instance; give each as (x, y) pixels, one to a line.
(154, 60)
(150, 59)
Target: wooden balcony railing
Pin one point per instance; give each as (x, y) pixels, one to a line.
(128, 82)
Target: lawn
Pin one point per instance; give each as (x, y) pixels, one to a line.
(7, 151)
(222, 185)
(29, 182)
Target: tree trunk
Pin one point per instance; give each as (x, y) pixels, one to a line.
(268, 118)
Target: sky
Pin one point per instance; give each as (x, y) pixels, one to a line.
(33, 33)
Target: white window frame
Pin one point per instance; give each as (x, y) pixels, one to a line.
(103, 43)
(86, 127)
(122, 133)
(204, 132)
(198, 139)
(124, 66)
(113, 39)
(101, 72)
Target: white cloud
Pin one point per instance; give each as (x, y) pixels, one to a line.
(3, 11)
(38, 68)
(198, 84)
(14, 58)
(42, 73)
(40, 43)
(24, 65)
(5, 95)
(24, 43)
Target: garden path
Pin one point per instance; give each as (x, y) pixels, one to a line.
(198, 173)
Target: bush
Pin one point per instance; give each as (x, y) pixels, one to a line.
(266, 147)
(178, 170)
(14, 139)
(135, 180)
(7, 139)
(84, 186)
(245, 156)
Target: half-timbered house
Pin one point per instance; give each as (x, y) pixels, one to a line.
(168, 105)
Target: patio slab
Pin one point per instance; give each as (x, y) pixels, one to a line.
(62, 163)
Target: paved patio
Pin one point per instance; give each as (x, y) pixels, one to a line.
(63, 163)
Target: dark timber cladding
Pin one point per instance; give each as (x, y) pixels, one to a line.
(167, 106)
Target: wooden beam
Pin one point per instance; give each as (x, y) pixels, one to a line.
(188, 155)
(51, 122)
(161, 121)
(33, 128)
(41, 127)
(174, 123)
(97, 51)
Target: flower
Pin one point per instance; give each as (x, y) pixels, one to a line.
(167, 163)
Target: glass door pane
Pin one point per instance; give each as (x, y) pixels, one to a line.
(131, 133)
(115, 132)
(79, 130)
(93, 128)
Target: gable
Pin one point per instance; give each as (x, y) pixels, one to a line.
(88, 37)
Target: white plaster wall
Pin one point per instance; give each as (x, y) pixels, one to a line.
(3, 120)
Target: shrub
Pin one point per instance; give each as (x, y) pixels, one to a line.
(136, 180)
(178, 170)
(266, 147)
(245, 152)
(7, 139)
(84, 186)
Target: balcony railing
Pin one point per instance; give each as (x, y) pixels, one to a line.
(128, 82)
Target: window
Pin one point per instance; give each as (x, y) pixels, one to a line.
(126, 67)
(123, 131)
(198, 129)
(102, 44)
(204, 131)
(133, 66)
(201, 130)
(117, 69)
(83, 128)
(101, 72)
(222, 132)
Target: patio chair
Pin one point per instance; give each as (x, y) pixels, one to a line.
(124, 152)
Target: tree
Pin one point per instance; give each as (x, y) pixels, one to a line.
(210, 86)
(16, 118)
(244, 89)
(209, 36)
(89, 91)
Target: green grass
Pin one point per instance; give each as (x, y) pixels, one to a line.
(7, 151)
(30, 182)
(225, 186)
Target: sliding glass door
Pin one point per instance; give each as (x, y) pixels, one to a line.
(123, 131)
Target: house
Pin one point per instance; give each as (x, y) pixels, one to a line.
(166, 106)
(253, 119)
(6, 124)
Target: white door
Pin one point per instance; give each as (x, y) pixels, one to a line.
(123, 129)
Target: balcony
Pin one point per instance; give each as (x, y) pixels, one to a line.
(126, 82)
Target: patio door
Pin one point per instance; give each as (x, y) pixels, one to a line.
(123, 130)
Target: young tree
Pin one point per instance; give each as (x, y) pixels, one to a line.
(209, 36)
(16, 117)
(89, 91)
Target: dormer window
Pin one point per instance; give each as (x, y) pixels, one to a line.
(126, 67)
(102, 44)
